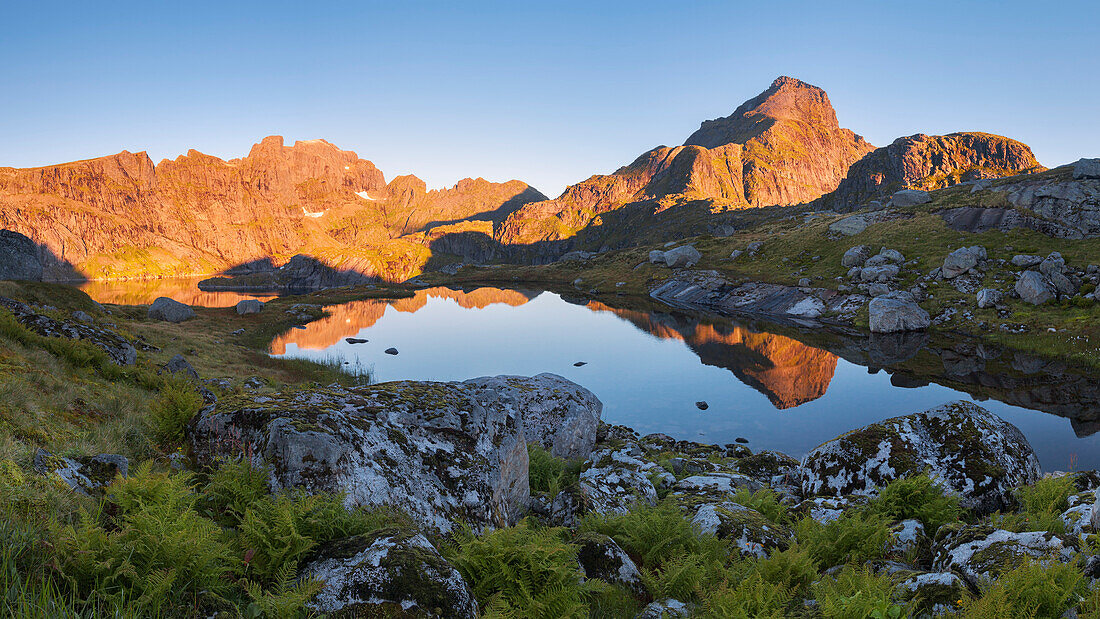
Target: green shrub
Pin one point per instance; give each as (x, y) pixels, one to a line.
(1031, 590)
(549, 474)
(232, 490)
(793, 568)
(177, 403)
(657, 534)
(683, 577)
(288, 598)
(857, 592)
(919, 498)
(856, 536)
(523, 571)
(753, 596)
(1041, 504)
(765, 501)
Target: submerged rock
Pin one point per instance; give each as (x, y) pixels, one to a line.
(170, 310)
(969, 450)
(388, 573)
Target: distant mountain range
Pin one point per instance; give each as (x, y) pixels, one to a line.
(124, 216)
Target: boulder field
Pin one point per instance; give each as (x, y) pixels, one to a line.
(457, 453)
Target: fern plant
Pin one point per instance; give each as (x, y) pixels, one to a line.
(286, 600)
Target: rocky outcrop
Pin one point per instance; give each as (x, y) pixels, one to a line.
(1056, 203)
(981, 553)
(963, 446)
(19, 257)
(443, 452)
(388, 573)
(929, 162)
(118, 349)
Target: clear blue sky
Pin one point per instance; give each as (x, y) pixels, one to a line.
(548, 92)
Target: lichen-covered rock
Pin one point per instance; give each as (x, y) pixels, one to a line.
(713, 486)
(828, 509)
(666, 609)
(557, 413)
(908, 542)
(879, 273)
(1026, 260)
(932, 593)
(440, 451)
(962, 260)
(1079, 517)
(617, 480)
(771, 468)
(85, 474)
(752, 533)
(170, 310)
(967, 449)
(981, 553)
(119, 350)
(600, 557)
(388, 573)
(989, 297)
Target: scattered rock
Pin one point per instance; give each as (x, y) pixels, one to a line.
(390, 351)
(805, 282)
(388, 573)
(889, 314)
(179, 365)
(932, 593)
(657, 256)
(910, 197)
(735, 254)
(682, 257)
(618, 479)
(882, 273)
(576, 255)
(83, 317)
(1025, 261)
(170, 310)
(249, 306)
(118, 349)
(86, 474)
(849, 226)
(702, 405)
(754, 247)
(989, 297)
(856, 256)
(1054, 263)
(600, 557)
(355, 340)
(753, 534)
(1033, 288)
(962, 260)
(969, 450)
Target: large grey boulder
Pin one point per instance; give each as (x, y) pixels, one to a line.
(932, 594)
(442, 452)
(856, 256)
(1033, 288)
(557, 413)
(962, 260)
(981, 553)
(910, 197)
(249, 306)
(388, 573)
(1054, 263)
(118, 349)
(600, 557)
(19, 257)
(970, 451)
(1025, 260)
(849, 226)
(1086, 168)
(894, 313)
(170, 310)
(682, 257)
(656, 256)
(751, 533)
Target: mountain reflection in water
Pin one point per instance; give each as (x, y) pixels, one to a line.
(791, 388)
(145, 291)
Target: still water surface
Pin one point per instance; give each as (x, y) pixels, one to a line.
(650, 369)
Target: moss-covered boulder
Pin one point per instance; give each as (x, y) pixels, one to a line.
(827, 509)
(713, 486)
(750, 531)
(909, 543)
(666, 609)
(84, 474)
(389, 573)
(932, 593)
(557, 413)
(442, 452)
(600, 557)
(969, 450)
(981, 553)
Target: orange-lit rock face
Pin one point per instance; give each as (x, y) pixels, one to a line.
(785, 370)
(348, 319)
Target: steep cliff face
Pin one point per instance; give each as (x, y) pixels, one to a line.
(123, 216)
(930, 162)
(782, 147)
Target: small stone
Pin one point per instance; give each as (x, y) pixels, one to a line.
(702, 405)
(804, 282)
(682, 257)
(735, 254)
(580, 364)
(390, 351)
(989, 297)
(179, 365)
(741, 439)
(1033, 288)
(856, 256)
(80, 316)
(355, 340)
(1025, 261)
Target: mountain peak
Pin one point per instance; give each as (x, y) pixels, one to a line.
(787, 99)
